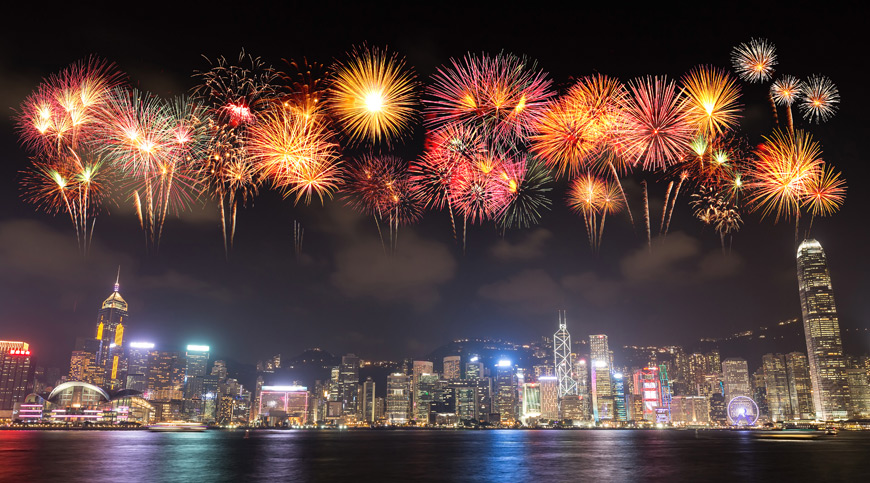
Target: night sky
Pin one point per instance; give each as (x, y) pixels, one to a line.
(345, 294)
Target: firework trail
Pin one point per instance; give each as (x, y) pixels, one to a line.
(298, 233)
(717, 211)
(784, 91)
(594, 198)
(646, 214)
(665, 207)
(380, 186)
(373, 96)
(235, 95)
(754, 61)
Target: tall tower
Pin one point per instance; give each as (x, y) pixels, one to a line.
(562, 351)
(111, 323)
(822, 331)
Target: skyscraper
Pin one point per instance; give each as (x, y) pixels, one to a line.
(367, 400)
(111, 324)
(549, 397)
(14, 374)
(822, 331)
(348, 384)
(601, 387)
(138, 356)
(735, 376)
(799, 386)
(506, 392)
(562, 352)
(776, 383)
(452, 368)
(398, 398)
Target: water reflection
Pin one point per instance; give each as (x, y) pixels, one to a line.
(419, 456)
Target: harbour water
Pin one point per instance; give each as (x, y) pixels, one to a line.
(418, 456)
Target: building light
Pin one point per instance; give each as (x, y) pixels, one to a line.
(142, 345)
(197, 348)
(504, 363)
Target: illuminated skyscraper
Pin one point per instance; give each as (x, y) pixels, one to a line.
(800, 391)
(506, 392)
(601, 387)
(452, 368)
(112, 320)
(647, 387)
(822, 331)
(138, 356)
(549, 397)
(165, 375)
(619, 400)
(348, 385)
(776, 384)
(196, 361)
(531, 402)
(14, 374)
(562, 351)
(735, 376)
(398, 398)
(367, 400)
(425, 389)
(474, 369)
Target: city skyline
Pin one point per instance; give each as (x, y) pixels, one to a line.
(342, 286)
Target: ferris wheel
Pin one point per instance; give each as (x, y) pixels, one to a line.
(742, 411)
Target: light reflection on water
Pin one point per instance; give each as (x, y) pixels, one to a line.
(414, 456)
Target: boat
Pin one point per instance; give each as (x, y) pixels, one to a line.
(790, 433)
(177, 426)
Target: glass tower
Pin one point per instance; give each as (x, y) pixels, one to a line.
(822, 331)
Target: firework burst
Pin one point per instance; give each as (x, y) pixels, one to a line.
(504, 95)
(754, 60)
(305, 88)
(60, 113)
(373, 96)
(380, 186)
(825, 192)
(819, 99)
(711, 100)
(524, 185)
(655, 131)
(594, 198)
(784, 167)
(296, 155)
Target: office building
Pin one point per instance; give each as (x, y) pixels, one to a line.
(776, 387)
(15, 374)
(452, 368)
(563, 361)
(398, 400)
(822, 331)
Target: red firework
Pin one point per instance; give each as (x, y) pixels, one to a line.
(505, 95)
(655, 130)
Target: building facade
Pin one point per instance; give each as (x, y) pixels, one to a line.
(822, 331)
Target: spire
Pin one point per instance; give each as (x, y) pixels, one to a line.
(118, 279)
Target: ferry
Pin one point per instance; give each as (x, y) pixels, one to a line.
(790, 433)
(177, 426)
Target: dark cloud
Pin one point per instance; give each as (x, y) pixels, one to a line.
(529, 247)
(412, 275)
(530, 291)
